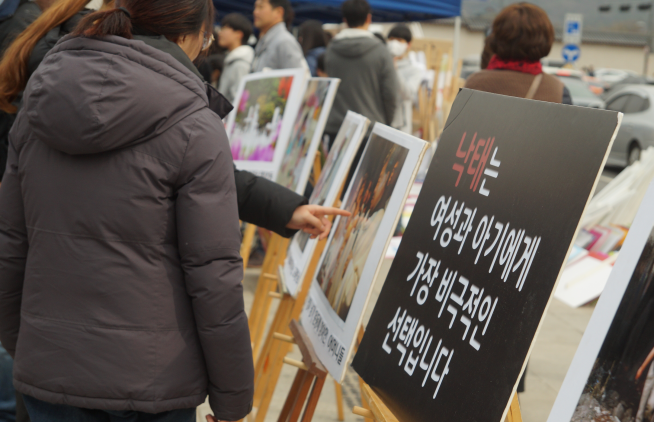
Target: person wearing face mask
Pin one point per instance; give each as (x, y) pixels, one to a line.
(365, 67)
(409, 76)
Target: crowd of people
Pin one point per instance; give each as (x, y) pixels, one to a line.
(377, 78)
(120, 204)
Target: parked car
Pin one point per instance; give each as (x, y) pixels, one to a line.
(637, 130)
(610, 77)
(581, 93)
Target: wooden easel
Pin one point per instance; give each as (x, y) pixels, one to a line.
(380, 413)
(310, 376)
(246, 244)
(270, 361)
(266, 290)
(268, 282)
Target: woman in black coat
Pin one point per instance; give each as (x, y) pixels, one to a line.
(260, 201)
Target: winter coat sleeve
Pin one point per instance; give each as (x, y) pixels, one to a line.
(266, 204)
(209, 241)
(13, 253)
(390, 87)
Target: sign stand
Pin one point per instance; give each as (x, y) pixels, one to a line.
(310, 379)
(246, 244)
(270, 360)
(268, 282)
(311, 375)
(266, 290)
(380, 413)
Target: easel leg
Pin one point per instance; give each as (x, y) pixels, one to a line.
(364, 402)
(300, 397)
(276, 362)
(298, 382)
(313, 399)
(339, 401)
(514, 414)
(259, 324)
(246, 245)
(270, 361)
(267, 357)
(261, 294)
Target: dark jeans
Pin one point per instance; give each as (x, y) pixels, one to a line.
(41, 411)
(7, 397)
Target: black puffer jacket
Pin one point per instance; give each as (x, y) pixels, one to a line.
(119, 238)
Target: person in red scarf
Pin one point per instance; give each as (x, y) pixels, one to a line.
(522, 34)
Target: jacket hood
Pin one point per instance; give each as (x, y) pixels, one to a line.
(355, 46)
(95, 95)
(243, 52)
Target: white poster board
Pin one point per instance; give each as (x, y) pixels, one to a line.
(611, 367)
(356, 246)
(261, 123)
(325, 192)
(297, 161)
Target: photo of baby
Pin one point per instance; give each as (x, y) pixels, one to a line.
(371, 190)
(329, 170)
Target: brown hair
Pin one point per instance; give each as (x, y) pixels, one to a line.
(170, 18)
(522, 31)
(13, 67)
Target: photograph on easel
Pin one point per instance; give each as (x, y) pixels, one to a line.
(612, 374)
(261, 123)
(307, 132)
(344, 277)
(339, 273)
(329, 185)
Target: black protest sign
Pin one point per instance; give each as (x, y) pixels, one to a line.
(478, 262)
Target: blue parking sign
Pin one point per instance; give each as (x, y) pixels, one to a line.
(572, 28)
(571, 53)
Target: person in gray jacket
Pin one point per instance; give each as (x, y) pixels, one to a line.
(277, 48)
(120, 273)
(369, 84)
(235, 30)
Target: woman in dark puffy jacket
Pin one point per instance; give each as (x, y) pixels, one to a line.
(260, 201)
(119, 238)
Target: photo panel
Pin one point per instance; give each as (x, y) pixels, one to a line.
(329, 185)
(261, 123)
(298, 159)
(612, 373)
(479, 260)
(356, 246)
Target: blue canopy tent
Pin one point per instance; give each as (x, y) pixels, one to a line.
(329, 11)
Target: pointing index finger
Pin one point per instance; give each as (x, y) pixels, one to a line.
(334, 211)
